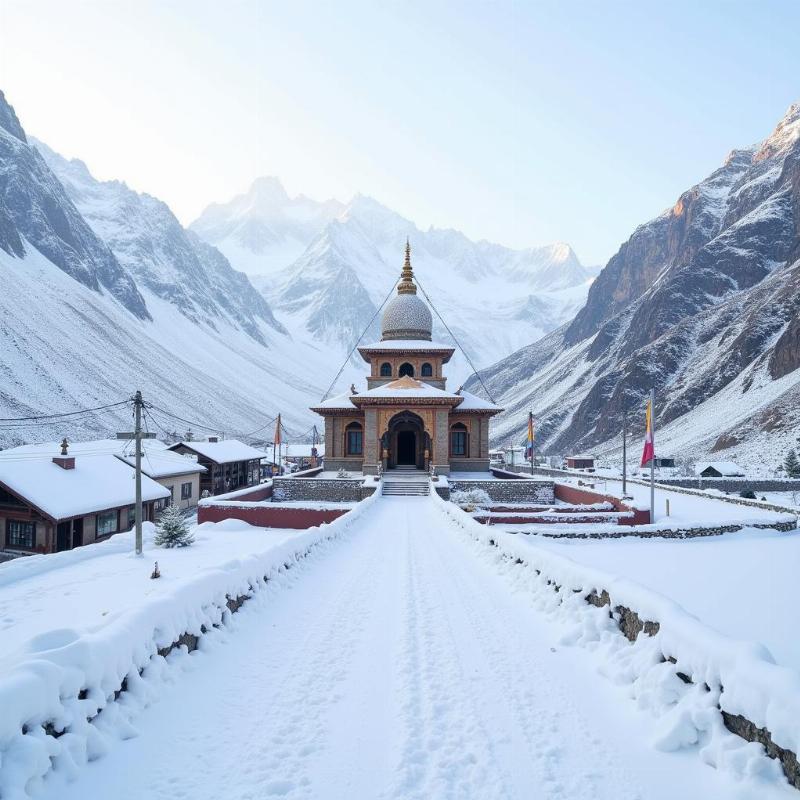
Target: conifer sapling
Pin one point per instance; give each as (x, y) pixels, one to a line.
(172, 529)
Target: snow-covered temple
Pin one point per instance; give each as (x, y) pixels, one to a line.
(406, 417)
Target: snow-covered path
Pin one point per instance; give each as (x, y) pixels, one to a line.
(395, 664)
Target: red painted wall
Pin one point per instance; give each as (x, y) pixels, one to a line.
(273, 515)
(572, 494)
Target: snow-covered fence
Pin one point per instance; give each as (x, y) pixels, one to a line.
(58, 707)
(700, 683)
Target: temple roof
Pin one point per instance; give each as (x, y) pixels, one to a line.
(407, 346)
(407, 388)
(474, 403)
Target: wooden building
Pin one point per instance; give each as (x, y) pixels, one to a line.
(406, 417)
(230, 464)
(580, 462)
(53, 503)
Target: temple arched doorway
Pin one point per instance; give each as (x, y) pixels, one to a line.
(406, 439)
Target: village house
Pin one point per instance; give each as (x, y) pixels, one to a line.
(406, 418)
(178, 473)
(580, 462)
(718, 469)
(53, 503)
(230, 464)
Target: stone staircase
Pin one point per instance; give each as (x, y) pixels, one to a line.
(405, 482)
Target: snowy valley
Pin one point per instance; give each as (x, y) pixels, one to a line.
(113, 271)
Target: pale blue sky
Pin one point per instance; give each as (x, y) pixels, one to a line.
(523, 123)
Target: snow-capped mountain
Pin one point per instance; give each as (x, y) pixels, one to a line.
(97, 304)
(703, 303)
(493, 298)
(264, 229)
(34, 206)
(154, 248)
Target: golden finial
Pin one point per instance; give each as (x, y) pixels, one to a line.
(407, 285)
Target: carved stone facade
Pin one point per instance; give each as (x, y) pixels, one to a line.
(406, 417)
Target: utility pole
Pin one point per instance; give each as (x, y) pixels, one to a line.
(137, 436)
(624, 453)
(653, 459)
(137, 406)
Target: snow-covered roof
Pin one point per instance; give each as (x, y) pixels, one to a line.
(406, 387)
(406, 344)
(224, 452)
(96, 483)
(93, 447)
(472, 402)
(157, 460)
(341, 401)
(582, 456)
(725, 468)
(163, 463)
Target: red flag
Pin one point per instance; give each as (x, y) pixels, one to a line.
(649, 452)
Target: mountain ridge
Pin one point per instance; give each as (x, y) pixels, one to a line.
(702, 302)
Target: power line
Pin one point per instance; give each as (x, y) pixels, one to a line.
(181, 419)
(458, 344)
(65, 413)
(369, 324)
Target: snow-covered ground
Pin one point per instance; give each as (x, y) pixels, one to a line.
(684, 509)
(395, 665)
(742, 583)
(88, 588)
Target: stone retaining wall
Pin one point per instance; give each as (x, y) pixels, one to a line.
(509, 491)
(333, 490)
(735, 485)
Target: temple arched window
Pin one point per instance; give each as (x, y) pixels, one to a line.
(386, 370)
(458, 440)
(406, 369)
(426, 371)
(354, 439)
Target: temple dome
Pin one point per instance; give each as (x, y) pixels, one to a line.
(406, 316)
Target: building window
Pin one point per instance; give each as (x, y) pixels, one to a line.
(386, 370)
(186, 490)
(458, 440)
(107, 522)
(131, 516)
(427, 370)
(20, 534)
(354, 439)
(406, 369)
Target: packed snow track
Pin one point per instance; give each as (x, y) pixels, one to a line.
(395, 664)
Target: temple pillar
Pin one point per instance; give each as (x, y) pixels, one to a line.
(372, 454)
(440, 441)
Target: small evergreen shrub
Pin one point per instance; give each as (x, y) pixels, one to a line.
(172, 529)
(747, 494)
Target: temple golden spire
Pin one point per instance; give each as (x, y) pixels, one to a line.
(407, 285)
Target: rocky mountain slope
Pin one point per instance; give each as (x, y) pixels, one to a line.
(34, 206)
(493, 298)
(702, 303)
(103, 292)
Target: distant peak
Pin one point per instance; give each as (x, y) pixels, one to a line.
(268, 187)
(9, 121)
(786, 133)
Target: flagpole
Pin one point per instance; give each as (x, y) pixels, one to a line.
(530, 433)
(624, 454)
(653, 459)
